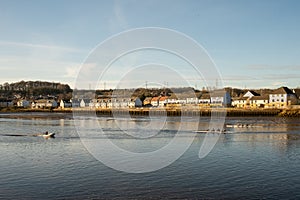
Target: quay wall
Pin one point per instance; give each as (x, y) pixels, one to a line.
(231, 112)
(178, 112)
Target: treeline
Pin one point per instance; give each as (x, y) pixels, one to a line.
(33, 89)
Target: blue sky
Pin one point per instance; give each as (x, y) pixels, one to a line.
(255, 44)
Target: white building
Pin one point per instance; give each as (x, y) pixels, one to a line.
(44, 103)
(282, 97)
(250, 94)
(162, 101)
(75, 103)
(220, 98)
(85, 103)
(259, 101)
(204, 99)
(65, 104)
(155, 101)
(192, 100)
(23, 103)
(135, 102)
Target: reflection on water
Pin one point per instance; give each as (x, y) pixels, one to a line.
(258, 161)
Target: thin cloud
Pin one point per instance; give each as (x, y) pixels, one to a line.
(238, 78)
(118, 21)
(41, 46)
(272, 67)
(279, 83)
(281, 76)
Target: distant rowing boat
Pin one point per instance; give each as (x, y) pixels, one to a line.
(44, 135)
(47, 135)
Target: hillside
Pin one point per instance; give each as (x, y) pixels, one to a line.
(33, 89)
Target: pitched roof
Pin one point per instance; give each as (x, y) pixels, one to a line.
(282, 90)
(66, 101)
(218, 93)
(183, 95)
(148, 99)
(239, 98)
(134, 98)
(155, 99)
(74, 101)
(264, 97)
(172, 96)
(251, 92)
(163, 98)
(205, 96)
(86, 100)
(44, 100)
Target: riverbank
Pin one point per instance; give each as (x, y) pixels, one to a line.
(290, 113)
(169, 112)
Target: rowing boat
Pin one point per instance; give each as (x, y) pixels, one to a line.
(47, 135)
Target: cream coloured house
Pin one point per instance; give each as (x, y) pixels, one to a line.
(282, 98)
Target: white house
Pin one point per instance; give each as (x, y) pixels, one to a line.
(259, 101)
(45, 103)
(103, 103)
(23, 103)
(93, 103)
(250, 93)
(109, 103)
(162, 101)
(75, 103)
(65, 103)
(115, 102)
(251, 102)
(282, 97)
(204, 99)
(172, 99)
(220, 98)
(147, 101)
(124, 102)
(240, 102)
(85, 103)
(155, 101)
(135, 102)
(192, 100)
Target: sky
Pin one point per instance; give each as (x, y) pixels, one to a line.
(253, 44)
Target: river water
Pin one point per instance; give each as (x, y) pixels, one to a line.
(257, 161)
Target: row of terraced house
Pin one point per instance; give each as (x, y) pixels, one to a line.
(280, 98)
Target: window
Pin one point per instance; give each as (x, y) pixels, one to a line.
(282, 100)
